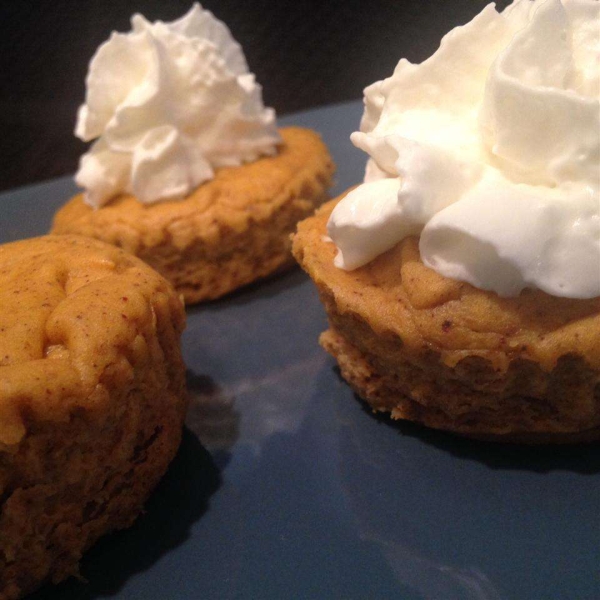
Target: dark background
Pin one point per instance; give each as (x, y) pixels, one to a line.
(304, 54)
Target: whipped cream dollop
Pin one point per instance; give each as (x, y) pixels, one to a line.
(490, 151)
(167, 104)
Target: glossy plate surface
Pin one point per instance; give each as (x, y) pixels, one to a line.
(302, 493)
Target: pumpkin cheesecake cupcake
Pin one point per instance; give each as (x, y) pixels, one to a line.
(92, 400)
(462, 278)
(189, 171)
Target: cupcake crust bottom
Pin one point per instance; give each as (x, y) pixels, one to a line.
(518, 419)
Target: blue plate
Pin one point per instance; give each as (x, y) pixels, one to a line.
(286, 486)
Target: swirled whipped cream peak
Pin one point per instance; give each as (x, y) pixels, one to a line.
(167, 104)
(490, 151)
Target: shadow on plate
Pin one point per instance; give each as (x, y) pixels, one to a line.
(180, 499)
(454, 518)
(542, 458)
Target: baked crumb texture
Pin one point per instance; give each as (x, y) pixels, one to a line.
(231, 231)
(92, 400)
(445, 354)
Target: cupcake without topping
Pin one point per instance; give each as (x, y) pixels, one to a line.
(92, 400)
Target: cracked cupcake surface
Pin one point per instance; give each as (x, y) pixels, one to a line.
(440, 352)
(232, 230)
(92, 399)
